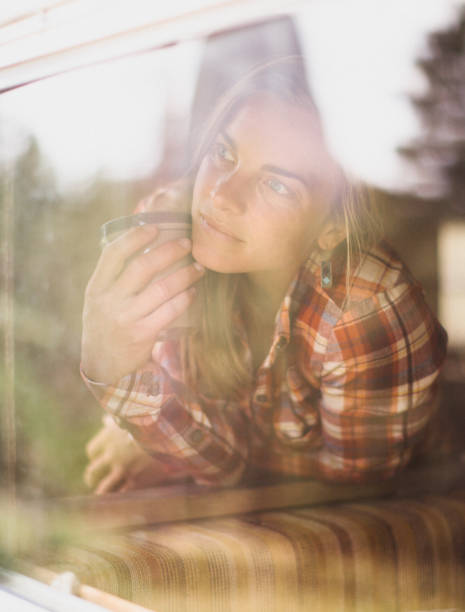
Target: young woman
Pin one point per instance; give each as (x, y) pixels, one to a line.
(316, 356)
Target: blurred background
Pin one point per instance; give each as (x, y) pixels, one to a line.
(84, 146)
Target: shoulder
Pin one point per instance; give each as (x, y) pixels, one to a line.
(380, 270)
(387, 316)
(383, 291)
(385, 308)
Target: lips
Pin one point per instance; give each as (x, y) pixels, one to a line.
(212, 225)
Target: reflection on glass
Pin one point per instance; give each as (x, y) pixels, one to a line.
(106, 138)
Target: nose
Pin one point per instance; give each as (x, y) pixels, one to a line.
(228, 193)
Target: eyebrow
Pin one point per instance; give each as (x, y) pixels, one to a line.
(269, 167)
(283, 172)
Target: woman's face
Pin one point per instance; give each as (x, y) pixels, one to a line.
(259, 195)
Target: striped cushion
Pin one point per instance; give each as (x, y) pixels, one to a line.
(385, 555)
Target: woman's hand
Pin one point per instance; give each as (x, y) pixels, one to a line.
(118, 463)
(125, 309)
(114, 459)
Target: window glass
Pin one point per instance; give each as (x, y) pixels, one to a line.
(78, 150)
(85, 147)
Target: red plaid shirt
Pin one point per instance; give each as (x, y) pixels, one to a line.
(345, 392)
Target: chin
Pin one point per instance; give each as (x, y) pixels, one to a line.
(213, 260)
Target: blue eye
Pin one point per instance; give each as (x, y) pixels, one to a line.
(278, 187)
(222, 154)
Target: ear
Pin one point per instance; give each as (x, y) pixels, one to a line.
(331, 235)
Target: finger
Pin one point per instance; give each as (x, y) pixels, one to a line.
(169, 311)
(140, 465)
(115, 255)
(95, 471)
(95, 446)
(148, 202)
(132, 479)
(164, 290)
(110, 482)
(124, 486)
(152, 261)
(156, 199)
(166, 197)
(143, 204)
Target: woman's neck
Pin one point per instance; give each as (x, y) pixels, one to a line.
(261, 298)
(266, 289)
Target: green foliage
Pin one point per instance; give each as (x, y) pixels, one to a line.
(56, 245)
(51, 437)
(39, 534)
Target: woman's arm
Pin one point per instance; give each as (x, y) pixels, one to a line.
(118, 463)
(184, 433)
(378, 385)
(123, 314)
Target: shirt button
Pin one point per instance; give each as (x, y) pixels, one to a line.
(196, 436)
(151, 383)
(261, 397)
(281, 342)
(154, 388)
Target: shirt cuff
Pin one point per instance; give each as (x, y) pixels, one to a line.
(102, 390)
(98, 389)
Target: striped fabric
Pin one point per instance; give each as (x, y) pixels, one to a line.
(383, 556)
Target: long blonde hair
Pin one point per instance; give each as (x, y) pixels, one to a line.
(213, 358)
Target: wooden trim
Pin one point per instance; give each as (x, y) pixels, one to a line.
(91, 594)
(75, 42)
(188, 502)
(22, 13)
(30, 593)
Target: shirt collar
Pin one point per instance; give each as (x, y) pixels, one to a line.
(307, 278)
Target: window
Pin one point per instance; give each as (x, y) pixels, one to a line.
(99, 115)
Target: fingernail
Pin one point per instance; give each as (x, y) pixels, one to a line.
(185, 243)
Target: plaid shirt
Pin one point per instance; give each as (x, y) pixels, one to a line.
(345, 393)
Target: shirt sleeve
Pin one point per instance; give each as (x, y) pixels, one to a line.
(206, 440)
(378, 385)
